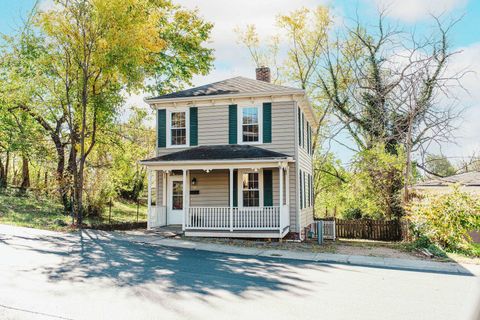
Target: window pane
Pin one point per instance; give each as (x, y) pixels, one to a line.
(251, 198)
(250, 133)
(179, 136)
(177, 195)
(250, 115)
(178, 119)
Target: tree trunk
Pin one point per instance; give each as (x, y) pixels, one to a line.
(2, 175)
(408, 167)
(7, 164)
(62, 184)
(45, 181)
(25, 175)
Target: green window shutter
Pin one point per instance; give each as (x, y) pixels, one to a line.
(235, 188)
(311, 141)
(162, 128)
(309, 190)
(310, 133)
(308, 138)
(232, 124)
(267, 122)
(301, 190)
(267, 188)
(304, 190)
(312, 202)
(299, 128)
(193, 126)
(303, 130)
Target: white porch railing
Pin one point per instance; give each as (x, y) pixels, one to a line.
(218, 218)
(156, 216)
(209, 218)
(262, 218)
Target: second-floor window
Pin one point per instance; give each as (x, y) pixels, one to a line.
(178, 128)
(250, 125)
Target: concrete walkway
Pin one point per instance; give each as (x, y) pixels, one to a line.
(366, 261)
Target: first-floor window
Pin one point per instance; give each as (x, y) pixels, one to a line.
(178, 128)
(250, 189)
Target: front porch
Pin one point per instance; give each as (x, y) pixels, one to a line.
(247, 198)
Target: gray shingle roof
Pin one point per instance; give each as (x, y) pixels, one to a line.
(220, 152)
(465, 179)
(237, 85)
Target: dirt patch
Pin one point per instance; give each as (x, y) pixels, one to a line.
(347, 247)
(376, 251)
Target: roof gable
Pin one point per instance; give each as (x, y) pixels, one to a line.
(237, 85)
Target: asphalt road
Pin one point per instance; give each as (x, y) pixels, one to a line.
(46, 275)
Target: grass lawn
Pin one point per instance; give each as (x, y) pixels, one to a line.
(41, 213)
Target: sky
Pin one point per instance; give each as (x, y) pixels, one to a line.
(231, 59)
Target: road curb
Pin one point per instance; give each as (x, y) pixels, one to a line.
(331, 258)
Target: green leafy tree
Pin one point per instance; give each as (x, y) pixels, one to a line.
(83, 55)
(439, 165)
(447, 219)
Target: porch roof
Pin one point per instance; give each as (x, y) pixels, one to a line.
(218, 153)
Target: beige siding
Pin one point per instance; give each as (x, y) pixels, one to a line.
(283, 128)
(213, 130)
(213, 125)
(293, 198)
(213, 188)
(304, 163)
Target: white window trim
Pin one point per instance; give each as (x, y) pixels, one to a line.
(169, 127)
(240, 186)
(240, 124)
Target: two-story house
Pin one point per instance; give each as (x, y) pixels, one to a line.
(234, 159)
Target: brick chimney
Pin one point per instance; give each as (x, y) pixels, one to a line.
(263, 74)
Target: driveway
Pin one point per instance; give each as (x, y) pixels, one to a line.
(89, 275)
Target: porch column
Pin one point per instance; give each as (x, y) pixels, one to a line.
(231, 199)
(164, 195)
(287, 186)
(280, 174)
(164, 189)
(149, 198)
(184, 191)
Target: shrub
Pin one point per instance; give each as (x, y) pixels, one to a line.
(447, 219)
(352, 213)
(422, 242)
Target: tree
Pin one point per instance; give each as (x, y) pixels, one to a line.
(84, 56)
(304, 32)
(439, 166)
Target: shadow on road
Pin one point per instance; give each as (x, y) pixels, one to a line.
(91, 255)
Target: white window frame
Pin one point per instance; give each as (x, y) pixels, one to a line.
(240, 187)
(240, 124)
(169, 127)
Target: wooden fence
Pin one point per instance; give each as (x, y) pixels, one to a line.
(391, 230)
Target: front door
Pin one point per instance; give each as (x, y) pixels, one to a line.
(175, 200)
